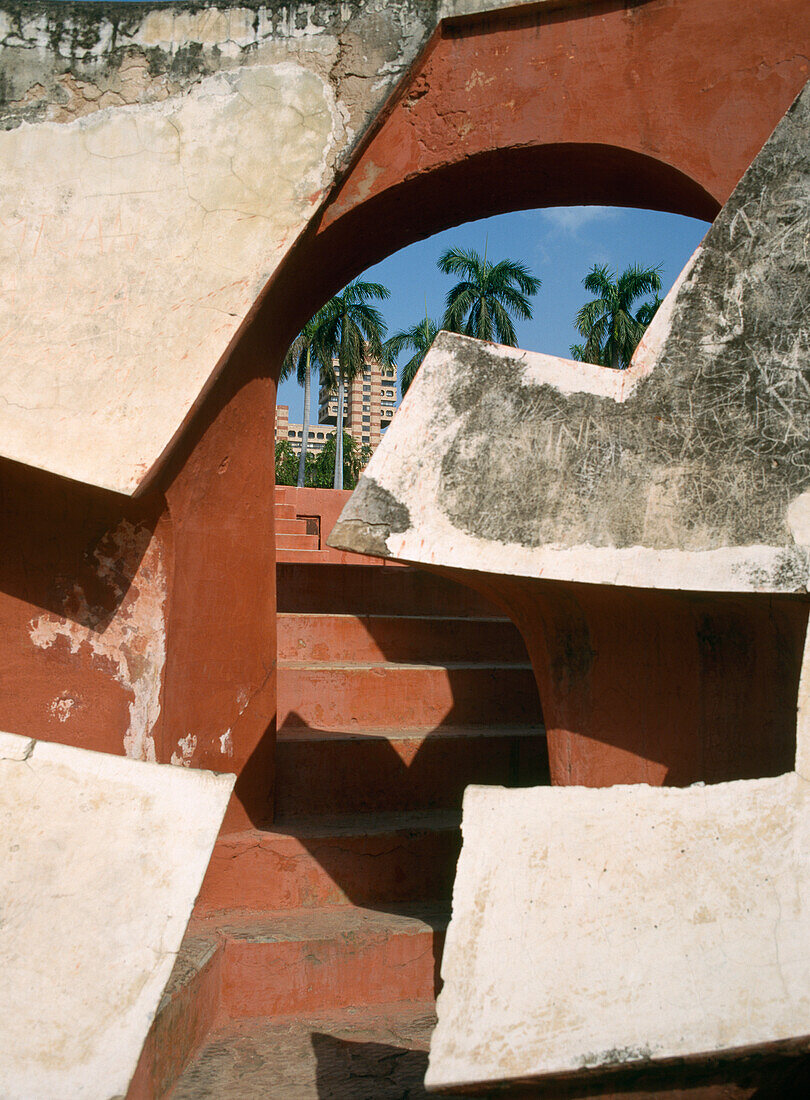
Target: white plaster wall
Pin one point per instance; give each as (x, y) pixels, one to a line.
(409, 466)
(101, 859)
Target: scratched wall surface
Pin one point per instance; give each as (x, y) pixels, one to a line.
(157, 166)
(691, 469)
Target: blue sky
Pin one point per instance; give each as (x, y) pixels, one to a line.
(559, 245)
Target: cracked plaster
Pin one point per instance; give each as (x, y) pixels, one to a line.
(132, 642)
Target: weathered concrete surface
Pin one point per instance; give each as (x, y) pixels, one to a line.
(599, 930)
(491, 112)
(102, 859)
(175, 155)
(355, 1055)
(689, 470)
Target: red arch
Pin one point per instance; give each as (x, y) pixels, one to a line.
(660, 104)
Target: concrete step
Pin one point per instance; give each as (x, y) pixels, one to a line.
(322, 862)
(290, 527)
(281, 493)
(355, 771)
(310, 960)
(284, 511)
(408, 696)
(187, 1012)
(311, 637)
(373, 1053)
(324, 588)
(299, 557)
(299, 541)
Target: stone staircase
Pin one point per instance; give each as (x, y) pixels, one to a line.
(310, 966)
(292, 537)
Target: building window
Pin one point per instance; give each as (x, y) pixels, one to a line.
(366, 389)
(366, 420)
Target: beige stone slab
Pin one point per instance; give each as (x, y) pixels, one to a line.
(594, 928)
(101, 859)
(134, 242)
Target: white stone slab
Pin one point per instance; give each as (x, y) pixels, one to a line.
(600, 927)
(101, 859)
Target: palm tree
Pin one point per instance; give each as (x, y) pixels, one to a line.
(302, 358)
(352, 330)
(607, 322)
(481, 304)
(419, 337)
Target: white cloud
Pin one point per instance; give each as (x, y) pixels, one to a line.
(570, 219)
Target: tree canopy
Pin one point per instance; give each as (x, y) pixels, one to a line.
(611, 329)
(419, 337)
(484, 301)
(352, 331)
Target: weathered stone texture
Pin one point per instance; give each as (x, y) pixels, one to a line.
(177, 154)
(701, 449)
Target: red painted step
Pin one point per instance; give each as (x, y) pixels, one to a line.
(379, 771)
(397, 689)
(300, 541)
(370, 1053)
(310, 637)
(309, 960)
(298, 557)
(284, 511)
(354, 859)
(374, 590)
(405, 696)
(187, 1012)
(290, 527)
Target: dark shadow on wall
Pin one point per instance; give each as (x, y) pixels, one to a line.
(68, 548)
(74, 563)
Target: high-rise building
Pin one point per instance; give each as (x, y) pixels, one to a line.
(318, 433)
(370, 403)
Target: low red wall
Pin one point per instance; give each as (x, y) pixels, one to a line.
(326, 504)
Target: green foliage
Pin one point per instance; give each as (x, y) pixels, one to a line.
(483, 303)
(286, 463)
(611, 330)
(352, 330)
(320, 470)
(320, 465)
(419, 337)
(303, 357)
